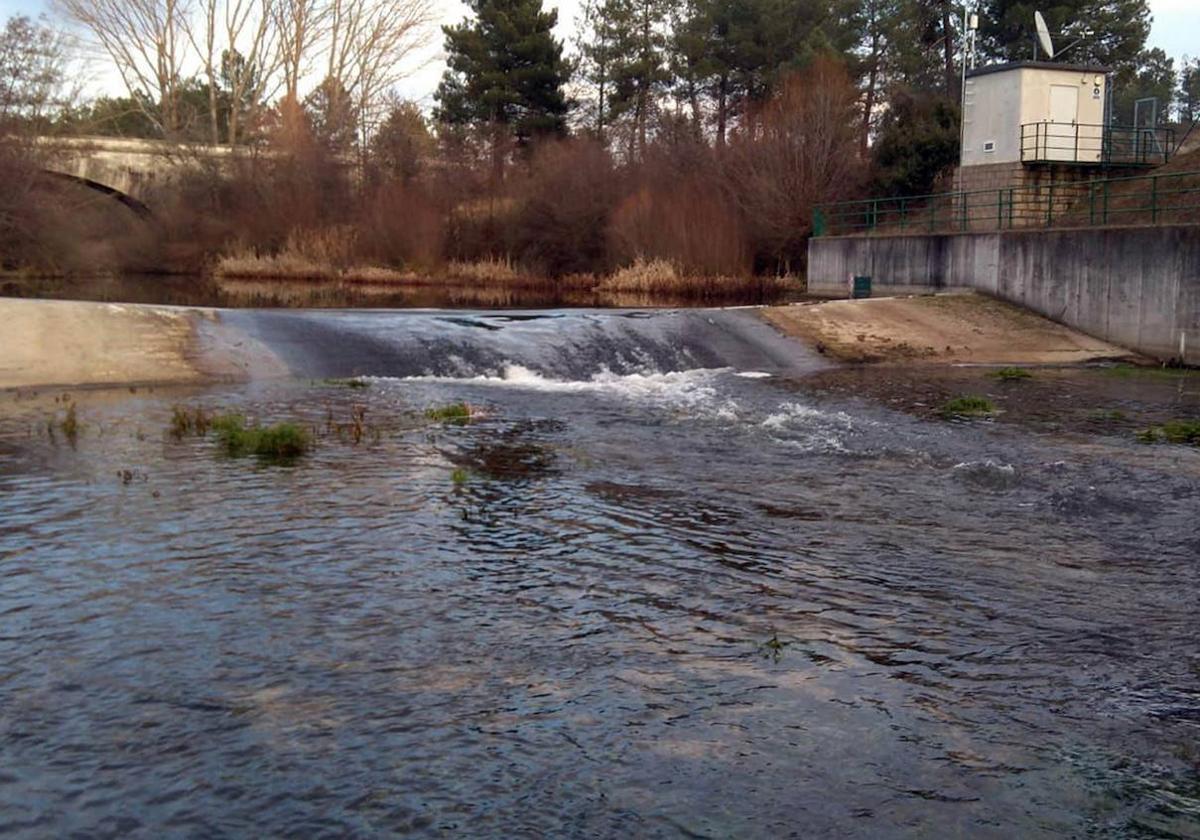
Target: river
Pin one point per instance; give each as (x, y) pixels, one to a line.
(662, 584)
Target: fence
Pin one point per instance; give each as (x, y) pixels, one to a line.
(1048, 142)
(1146, 199)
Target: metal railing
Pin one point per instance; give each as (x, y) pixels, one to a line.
(1145, 199)
(1050, 142)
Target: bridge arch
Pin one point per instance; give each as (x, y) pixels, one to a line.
(138, 207)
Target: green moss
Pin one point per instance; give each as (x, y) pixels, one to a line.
(1012, 374)
(459, 413)
(968, 405)
(280, 442)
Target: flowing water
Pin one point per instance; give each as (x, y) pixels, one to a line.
(656, 587)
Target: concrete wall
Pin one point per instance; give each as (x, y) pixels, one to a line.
(1137, 286)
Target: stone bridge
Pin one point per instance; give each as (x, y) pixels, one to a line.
(129, 170)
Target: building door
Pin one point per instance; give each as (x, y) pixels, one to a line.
(1061, 134)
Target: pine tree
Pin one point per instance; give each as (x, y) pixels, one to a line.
(1187, 101)
(505, 72)
(1120, 29)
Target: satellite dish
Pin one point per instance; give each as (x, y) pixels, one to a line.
(1043, 34)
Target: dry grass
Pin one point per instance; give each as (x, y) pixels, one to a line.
(660, 277)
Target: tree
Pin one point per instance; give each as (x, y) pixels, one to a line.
(1187, 101)
(918, 141)
(1120, 29)
(597, 44)
(795, 153)
(1154, 76)
(32, 72)
(639, 69)
(368, 50)
(402, 143)
(333, 117)
(505, 73)
(146, 41)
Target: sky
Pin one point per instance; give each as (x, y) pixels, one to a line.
(1176, 30)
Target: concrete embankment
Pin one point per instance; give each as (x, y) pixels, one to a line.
(51, 342)
(1138, 287)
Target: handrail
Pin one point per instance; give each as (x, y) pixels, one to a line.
(1160, 198)
(1090, 144)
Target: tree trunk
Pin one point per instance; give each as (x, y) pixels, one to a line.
(722, 109)
(869, 104)
(948, 48)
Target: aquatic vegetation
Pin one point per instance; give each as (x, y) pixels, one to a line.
(354, 382)
(772, 648)
(278, 442)
(70, 424)
(1108, 415)
(1012, 374)
(460, 476)
(1173, 431)
(459, 413)
(186, 422)
(968, 405)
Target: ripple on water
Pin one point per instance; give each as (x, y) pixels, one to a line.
(656, 604)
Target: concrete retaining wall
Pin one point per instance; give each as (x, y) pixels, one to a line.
(1138, 286)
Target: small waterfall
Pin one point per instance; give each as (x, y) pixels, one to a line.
(565, 346)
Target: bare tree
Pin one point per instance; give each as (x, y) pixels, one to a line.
(33, 71)
(147, 42)
(300, 26)
(370, 47)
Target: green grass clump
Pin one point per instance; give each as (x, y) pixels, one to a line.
(968, 405)
(458, 412)
(278, 442)
(1012, 374)
(355, 382)
(1108, 415)
(1173, 431)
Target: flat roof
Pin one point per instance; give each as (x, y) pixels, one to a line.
(1036, 65)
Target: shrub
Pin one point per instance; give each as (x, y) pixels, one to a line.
(458, 413)
(279, 442)
(968, 405)
(1012, 374)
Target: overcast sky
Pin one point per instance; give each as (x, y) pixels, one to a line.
(1176, 29)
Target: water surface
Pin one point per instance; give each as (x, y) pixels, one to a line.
(680, 593)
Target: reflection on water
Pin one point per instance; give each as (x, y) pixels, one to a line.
(979, 633)
(176, 290)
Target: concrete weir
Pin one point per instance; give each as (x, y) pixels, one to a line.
(1138, 287)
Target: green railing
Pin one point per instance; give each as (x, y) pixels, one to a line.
(1163, 198)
